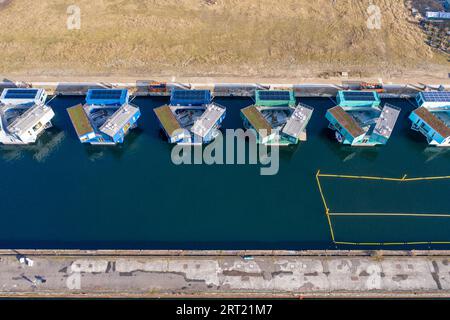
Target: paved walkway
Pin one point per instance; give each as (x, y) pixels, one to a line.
(223, 89)
(160, 276)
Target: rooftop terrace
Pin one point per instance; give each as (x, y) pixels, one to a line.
(257, 120)
(167, 119)
(346, 121)
(80, 120)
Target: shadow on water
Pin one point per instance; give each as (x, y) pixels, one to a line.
(97, 152)
(432, 153)
(347, 152)
(417, 142)
(287, 153)
(162, 137)
(47, 143)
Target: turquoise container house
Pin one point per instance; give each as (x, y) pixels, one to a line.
(353, 98)
(359, 120)
(432, 118)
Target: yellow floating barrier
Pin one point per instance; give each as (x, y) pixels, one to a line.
(329, 214)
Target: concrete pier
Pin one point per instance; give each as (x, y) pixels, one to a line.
(225, 274)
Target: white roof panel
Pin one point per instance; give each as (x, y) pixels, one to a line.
(208, 120)
(298, 121)
(30, 118)
(386, 122)
(118, 120)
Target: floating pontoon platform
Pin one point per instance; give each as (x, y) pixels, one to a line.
(276, 111)
(23, 115)
(105, 118)
(191, 117)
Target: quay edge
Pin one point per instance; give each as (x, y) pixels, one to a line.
(198, 274)
(400, 90)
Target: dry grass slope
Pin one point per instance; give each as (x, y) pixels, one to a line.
(210, 37)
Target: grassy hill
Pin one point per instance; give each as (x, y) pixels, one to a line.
(264, 38)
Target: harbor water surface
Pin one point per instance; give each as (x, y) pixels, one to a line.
(60, 193)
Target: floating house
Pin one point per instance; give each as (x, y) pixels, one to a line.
(432, 118)
(105, 118)
(276, 117)
(358, 119)
(191, 117)
(23, 115)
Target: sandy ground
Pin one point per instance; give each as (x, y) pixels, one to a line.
(417, 78)
(287, 41)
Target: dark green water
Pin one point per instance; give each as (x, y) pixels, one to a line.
(62, 194)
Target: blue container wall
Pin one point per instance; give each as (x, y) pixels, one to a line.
(428, 131)
(119, 136)
(84, 138)
(123, 99)
(347, 136)
(98, 138)
(175, 139)
(419, 100)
